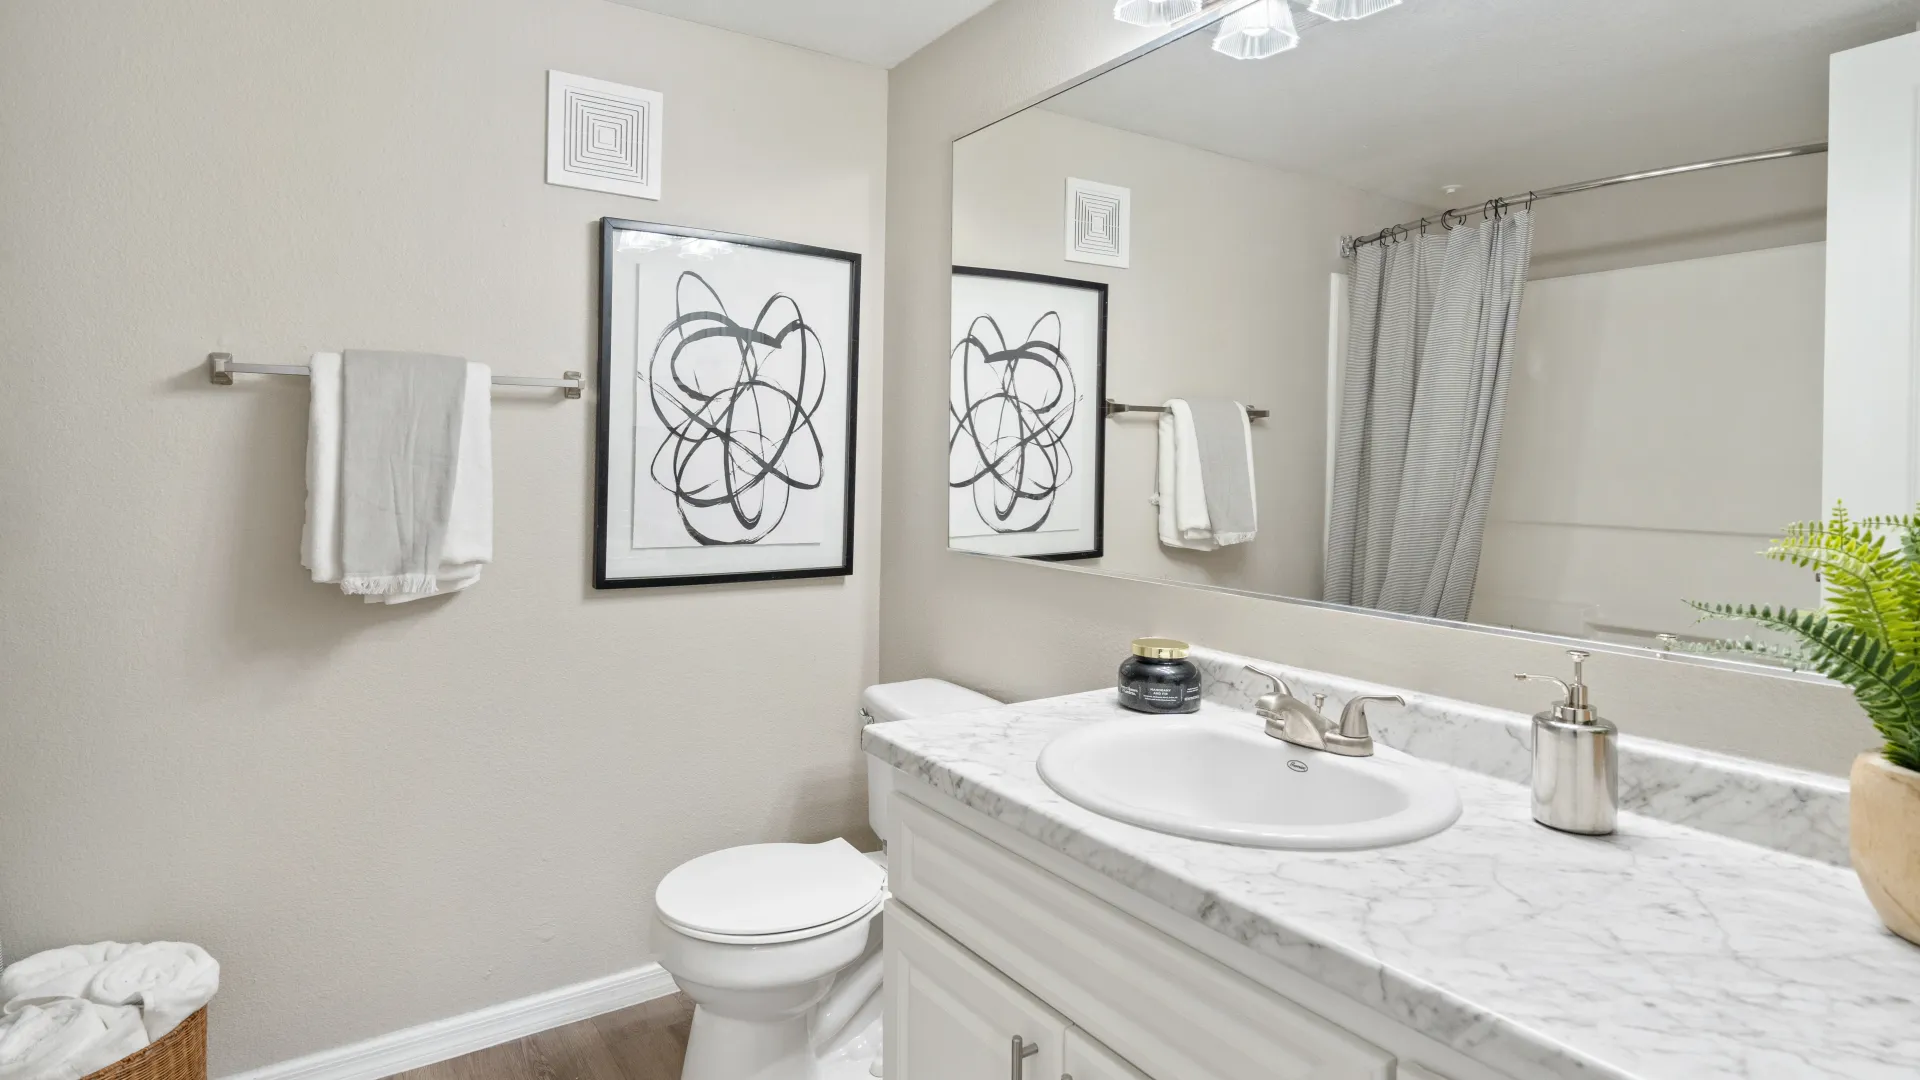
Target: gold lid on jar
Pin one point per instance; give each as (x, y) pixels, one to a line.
(1160, 648)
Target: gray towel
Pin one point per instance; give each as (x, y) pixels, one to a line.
(1226, 468)
(400, 445)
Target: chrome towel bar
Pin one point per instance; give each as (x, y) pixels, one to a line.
(221, 370)
(1114, 408)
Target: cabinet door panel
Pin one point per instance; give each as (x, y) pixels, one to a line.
(1173, 1013)
(950, 1016)
(1086, 1059)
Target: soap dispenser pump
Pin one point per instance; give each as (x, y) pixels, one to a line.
(1576, 762)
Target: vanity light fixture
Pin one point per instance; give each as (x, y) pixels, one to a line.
(1344, 10)
(1155, 13)
(1257, 31)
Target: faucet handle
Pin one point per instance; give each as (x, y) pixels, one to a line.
(1279, 684)
(1353, 718)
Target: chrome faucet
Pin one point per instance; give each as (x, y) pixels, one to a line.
(1291, 720)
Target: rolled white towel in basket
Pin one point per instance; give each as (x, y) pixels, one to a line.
(167, 981)
(67, 1039)
(43, 968)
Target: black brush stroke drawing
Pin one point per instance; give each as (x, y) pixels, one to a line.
(1010, 416)
(736, 447)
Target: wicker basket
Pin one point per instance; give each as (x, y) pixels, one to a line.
(181, 1054)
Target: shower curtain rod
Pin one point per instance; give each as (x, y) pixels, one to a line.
(1349, 244)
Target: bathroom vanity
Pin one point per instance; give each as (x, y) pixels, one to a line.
(1494, 949)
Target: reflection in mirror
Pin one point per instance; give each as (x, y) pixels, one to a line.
(1370, 332)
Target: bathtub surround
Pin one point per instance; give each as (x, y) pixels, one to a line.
(1691, 953)
(408, 813)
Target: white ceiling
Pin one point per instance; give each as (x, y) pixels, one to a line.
(1501, 96)
(877, 32)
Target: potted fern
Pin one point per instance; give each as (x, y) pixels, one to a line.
(1866, 635)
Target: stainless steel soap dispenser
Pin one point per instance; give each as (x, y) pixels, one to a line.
(1576, 764)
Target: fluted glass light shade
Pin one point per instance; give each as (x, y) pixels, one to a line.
(1343, 10)
(1155, 12)
(1257, 31)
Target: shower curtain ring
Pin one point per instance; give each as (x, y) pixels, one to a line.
(1444, 223)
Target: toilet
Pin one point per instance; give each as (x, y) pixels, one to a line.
(778, 945)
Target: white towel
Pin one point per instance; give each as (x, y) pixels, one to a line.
(1188, 505)
(67, 1039)
(166, 980)
(469, 541)
(1179, 491)
(468, 545)
(43, 968)
(320, 539)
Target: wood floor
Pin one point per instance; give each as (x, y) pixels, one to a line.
(646, 1042)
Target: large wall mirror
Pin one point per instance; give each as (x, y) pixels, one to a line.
(1335, 310)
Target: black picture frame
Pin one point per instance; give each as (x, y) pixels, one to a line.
(1099, 484)
(610, 228)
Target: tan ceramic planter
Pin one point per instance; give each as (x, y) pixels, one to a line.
(1886, 840)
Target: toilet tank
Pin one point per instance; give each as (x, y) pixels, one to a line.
(914, 699)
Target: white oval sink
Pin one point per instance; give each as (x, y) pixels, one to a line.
(1210, 780)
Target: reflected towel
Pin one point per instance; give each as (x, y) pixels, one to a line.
(1224, 440)
(1204, 487)
(1177, 489)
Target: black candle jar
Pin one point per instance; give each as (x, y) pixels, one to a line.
(1158, 678)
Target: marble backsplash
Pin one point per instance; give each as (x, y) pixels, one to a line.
(1796, 812)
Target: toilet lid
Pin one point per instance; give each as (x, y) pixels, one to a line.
(765, 889)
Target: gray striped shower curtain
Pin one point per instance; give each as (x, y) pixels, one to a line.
(1431, 327)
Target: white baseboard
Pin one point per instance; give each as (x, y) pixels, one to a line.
(438, 1040)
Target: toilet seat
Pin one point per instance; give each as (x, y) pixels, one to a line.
(763, 894)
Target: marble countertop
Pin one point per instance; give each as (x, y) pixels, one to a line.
(1659, 953)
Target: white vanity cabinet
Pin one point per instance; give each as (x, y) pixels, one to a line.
(952, 1017)
(1088, 1060)
(983, 945)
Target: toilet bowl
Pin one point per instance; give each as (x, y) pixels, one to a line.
(778, 945)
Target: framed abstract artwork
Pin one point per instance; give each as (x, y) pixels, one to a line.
(1026, 446)
(728, 374)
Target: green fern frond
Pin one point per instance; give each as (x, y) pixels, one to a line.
(1884, 681)
(1871, 589)
(1789, 656)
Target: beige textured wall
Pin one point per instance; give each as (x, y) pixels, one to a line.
(1018, 629)
(378, 816)
(1227, 296)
